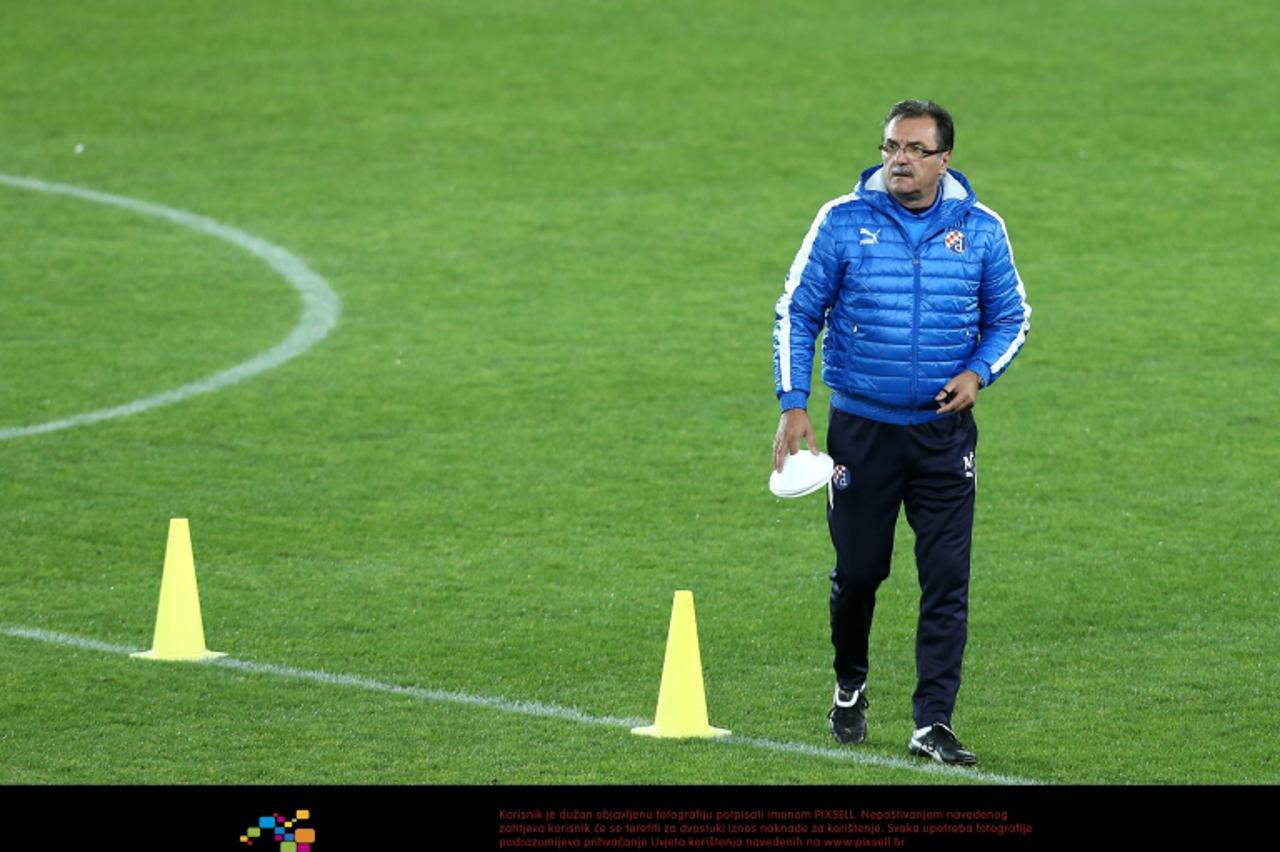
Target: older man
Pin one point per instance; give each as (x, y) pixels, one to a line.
(915, 283)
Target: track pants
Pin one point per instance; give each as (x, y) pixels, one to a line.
(930, 469)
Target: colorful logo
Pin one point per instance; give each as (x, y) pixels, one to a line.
(955, 241)
(840, 477)
(288, 835)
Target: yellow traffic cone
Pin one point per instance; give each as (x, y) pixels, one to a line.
(179, 630)
(682, 703)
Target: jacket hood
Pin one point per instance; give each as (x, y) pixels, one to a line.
(957, 195)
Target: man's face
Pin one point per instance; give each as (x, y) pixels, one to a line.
(913, 181)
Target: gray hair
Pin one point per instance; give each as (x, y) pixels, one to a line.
(945, 128)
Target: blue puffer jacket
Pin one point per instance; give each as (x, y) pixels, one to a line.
(901, 319)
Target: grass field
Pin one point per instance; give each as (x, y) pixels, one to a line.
(557, 231)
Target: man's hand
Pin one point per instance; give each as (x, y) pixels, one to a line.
(959, 394)
(792, 426)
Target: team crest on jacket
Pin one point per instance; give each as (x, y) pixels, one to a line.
(955, 241)
(840, 477)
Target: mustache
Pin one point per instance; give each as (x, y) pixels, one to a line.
(901, 170)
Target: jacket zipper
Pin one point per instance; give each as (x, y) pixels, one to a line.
(916, 251)
(915, 328)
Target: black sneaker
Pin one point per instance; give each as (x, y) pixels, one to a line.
(940, 743)
(848, 716)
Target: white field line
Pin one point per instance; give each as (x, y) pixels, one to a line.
(526, 708)
(320, 305)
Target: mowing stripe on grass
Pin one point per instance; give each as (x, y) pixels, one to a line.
(320, 305)
(527, 708)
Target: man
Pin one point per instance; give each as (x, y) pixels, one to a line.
(915, 283)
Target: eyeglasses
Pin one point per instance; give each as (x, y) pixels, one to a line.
(914, 151)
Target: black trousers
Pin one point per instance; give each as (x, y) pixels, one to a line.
(930, 469)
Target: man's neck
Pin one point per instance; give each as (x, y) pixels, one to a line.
(917, 204)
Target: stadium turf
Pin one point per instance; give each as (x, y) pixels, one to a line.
(558, 231)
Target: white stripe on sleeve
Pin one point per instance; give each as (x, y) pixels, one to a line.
(793, 281)
(1007, 355)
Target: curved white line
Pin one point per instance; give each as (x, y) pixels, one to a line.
(320, 306)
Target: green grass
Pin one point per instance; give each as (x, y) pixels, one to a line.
(558, 231)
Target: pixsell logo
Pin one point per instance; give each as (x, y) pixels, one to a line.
(280, 833)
